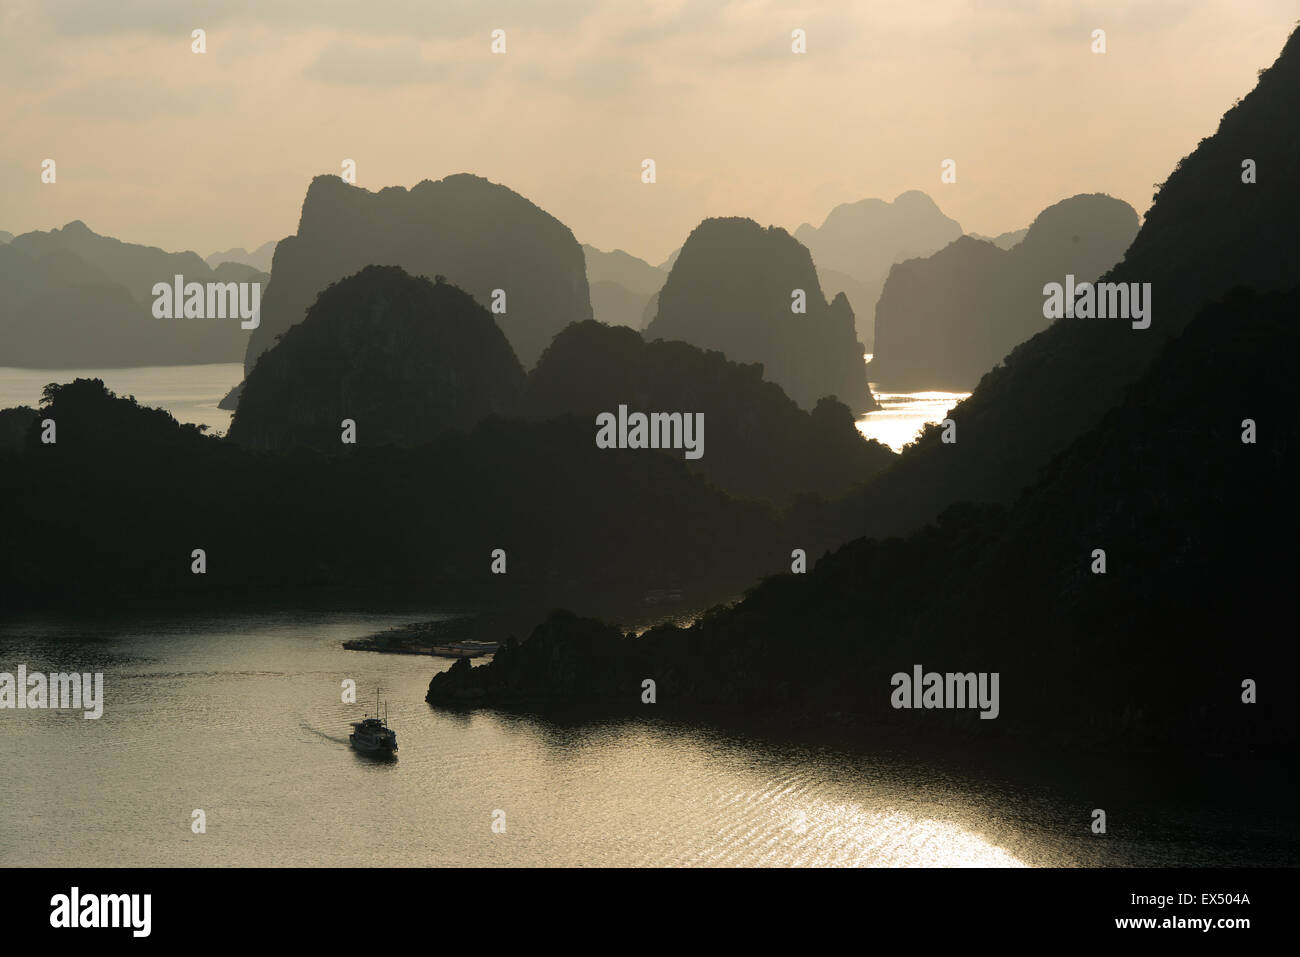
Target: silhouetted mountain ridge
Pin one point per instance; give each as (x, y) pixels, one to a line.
(758, 443)
(402, 357)
(731, 290)
(128, 493)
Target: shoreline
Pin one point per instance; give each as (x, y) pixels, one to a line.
(456, 637)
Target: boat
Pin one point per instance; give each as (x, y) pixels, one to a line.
(372, 735)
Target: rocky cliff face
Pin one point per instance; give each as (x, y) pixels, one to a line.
(942, 322)
(862, 296)
(732, 290)
(404, 358)
(481, 236)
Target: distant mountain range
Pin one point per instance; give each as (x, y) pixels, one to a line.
(259, 258)
(75, 298)
(622, 289)
(943, 322)
(1003, 240)
(633, 274)
(853, 251)
(865, 238)
(858, 242)
(621, 286)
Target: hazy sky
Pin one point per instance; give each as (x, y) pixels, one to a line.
(159, 145)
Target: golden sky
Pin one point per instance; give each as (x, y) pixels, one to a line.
(159, 145)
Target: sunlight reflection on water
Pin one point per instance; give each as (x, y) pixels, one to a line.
(903, 415)
(241, 715)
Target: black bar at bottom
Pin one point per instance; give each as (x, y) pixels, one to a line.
(301, 905)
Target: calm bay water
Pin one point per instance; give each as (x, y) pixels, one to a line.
(190, 393)
(242, 717)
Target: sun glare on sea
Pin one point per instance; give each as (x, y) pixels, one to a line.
(902, 416)
(823, 834)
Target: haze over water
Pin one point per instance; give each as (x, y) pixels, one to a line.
(242, 717)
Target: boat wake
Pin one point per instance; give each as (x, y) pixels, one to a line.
(328, 737)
